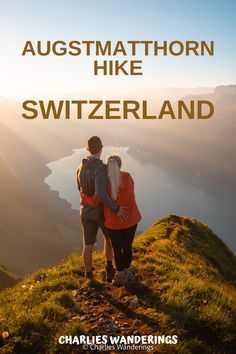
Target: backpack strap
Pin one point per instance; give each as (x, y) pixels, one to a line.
(86, 181)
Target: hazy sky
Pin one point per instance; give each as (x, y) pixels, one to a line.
(43, 20)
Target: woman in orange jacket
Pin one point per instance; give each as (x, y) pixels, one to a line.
(120, 186)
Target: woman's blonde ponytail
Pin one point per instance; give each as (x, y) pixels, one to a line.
(113, 172)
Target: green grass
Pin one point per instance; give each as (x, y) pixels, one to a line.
(36, 309)
(187, 278)
(195, 290)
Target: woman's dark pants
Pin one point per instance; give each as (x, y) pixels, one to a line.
(122, 245)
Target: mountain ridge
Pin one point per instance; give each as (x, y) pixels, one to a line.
(186, 288)
(37, 227)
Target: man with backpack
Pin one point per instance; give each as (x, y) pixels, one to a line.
(92, 179)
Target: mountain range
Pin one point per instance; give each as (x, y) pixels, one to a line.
(37, 228)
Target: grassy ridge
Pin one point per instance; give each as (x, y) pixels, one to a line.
(186, 288)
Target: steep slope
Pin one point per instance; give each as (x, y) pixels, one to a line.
(183, 145)
(186, 288)
(6, 278)
(37, 228)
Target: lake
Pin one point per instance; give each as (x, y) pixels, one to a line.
(157, 192)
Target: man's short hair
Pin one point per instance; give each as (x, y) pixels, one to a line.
(94, 145)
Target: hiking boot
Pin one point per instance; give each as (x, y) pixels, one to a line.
(119, 279)
(131, 278)
(110, 272)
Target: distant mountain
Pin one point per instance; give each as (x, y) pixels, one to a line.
(36, 227)
(171, 93)
(226, 90)
(7, 279)
(186, 288)
(213, 144)
(184, 145)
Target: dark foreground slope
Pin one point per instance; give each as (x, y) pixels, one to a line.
(7, 279)
(186, 288)
(37, 228)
